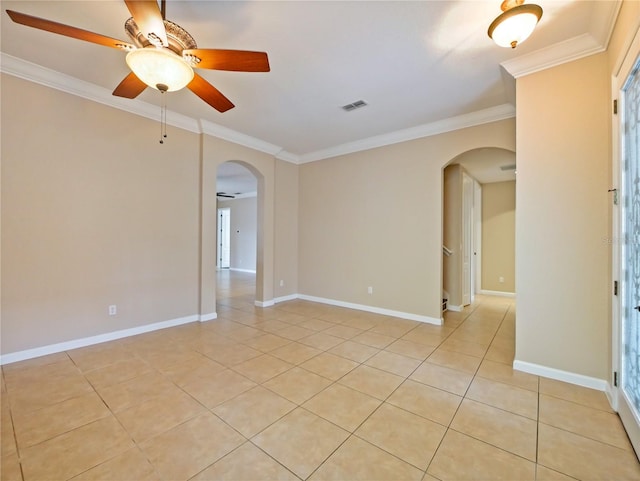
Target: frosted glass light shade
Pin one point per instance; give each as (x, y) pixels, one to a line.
(160, 68)
(514, 26)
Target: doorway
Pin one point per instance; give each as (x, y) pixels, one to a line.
(627, 250)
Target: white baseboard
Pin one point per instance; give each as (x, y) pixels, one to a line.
(559, 375)
(497, 293)
(376, 310)
(208, 317)
(454, 308)
(242, 270)
(290, 297)
(268, 303)
(89, 341)
(610, 391)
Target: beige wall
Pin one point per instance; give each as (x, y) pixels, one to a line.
(452, 234)
(94, 213)
(374, 218)
(562, 268)
(498, 236)
(564, 211)
(286, 229)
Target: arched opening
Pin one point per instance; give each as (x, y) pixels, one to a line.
(213, 155)
(478, 226)
(236, 235)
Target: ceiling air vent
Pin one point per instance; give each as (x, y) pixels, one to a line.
(355, 105)
(508, 167)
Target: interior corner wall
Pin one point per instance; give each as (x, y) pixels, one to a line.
(498, 236)
(243, 232)
(94, 213)
(452, 234)
(562, 269)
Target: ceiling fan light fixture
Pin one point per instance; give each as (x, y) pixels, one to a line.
(515, 24)
(160, 68)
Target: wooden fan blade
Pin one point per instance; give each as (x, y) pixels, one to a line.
(234, 60)
(209, 94)
(73, 32)
(130, 87)
(149, 19)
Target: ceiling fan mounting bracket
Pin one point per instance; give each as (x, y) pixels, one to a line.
(179, 39)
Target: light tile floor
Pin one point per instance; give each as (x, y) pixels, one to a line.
(306, 391)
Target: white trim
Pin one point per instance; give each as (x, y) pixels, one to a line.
(622, 68)
(625, 52)
(610, 391)
(268, 303)
(242, 270)
(453, 308)
(288, 157)
(559, 375)
(557, 54)
(485, 116)
(239, 138)
(497, 293)
(89, 341)
(375, 310)
(290, 297)
(208, 317)
(607, 11)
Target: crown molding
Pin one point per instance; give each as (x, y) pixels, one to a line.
(603, 20)
(32, 72)
(288, 157)
(224, 133)
(492, 114)
(567, 51)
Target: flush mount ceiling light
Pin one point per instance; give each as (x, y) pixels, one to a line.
(516, 22)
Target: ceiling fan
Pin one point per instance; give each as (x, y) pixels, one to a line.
(162, 55)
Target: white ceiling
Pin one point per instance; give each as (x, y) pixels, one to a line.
(422, 66)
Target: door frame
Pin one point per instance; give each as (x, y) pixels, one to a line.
(628, 58)
(223, 236)
(468, 227)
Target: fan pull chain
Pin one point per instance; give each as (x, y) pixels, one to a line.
(163, 113)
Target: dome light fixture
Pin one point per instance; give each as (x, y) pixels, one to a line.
(516, 22)
(160, 68)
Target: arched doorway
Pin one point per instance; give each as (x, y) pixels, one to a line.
(482, 173)
(214, 153)
(236, 235)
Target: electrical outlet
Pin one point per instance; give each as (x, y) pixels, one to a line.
(370, 290)
(113, 310)
(501, 280)
(281, 283)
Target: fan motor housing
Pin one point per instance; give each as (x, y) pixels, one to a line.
(179, 39)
